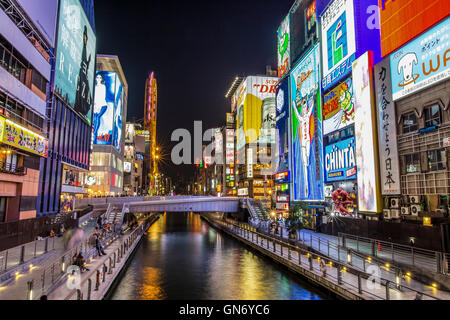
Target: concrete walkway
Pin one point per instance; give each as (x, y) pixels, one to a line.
(350, 281)
(16, 288)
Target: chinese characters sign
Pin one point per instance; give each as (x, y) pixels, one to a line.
(387, 130)
(338, 42)
(75, 58)
(421, 63)
(16, 136)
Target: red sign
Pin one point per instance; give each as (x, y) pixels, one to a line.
(403, 20)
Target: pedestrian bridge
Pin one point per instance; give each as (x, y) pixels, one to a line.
(163, 204)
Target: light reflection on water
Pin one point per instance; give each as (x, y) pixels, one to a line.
(182, 258)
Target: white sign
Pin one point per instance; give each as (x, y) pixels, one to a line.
(366, 158)
(243, 192)
(387, 131)
(250, 163)
(447, 142)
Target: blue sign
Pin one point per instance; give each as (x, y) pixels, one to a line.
(108, 103)
(421, 63)
(307, 144)
(75, 58)
(340, 161)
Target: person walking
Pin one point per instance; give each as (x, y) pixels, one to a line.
(323, 268)
(99, 246)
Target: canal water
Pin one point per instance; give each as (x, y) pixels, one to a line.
(183, 258)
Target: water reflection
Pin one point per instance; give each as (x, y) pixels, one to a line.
(183, 258)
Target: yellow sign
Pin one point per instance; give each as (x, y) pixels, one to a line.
(19, 137)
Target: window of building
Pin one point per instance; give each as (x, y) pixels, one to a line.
(432, 116)
(410, 123)
(39, 81)
(412, 163)
(3, 205)
(436, 160)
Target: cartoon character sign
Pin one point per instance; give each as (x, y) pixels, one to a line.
(342, 202)
(338, 108)
(307, 144)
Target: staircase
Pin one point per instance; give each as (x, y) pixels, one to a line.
(257, 211)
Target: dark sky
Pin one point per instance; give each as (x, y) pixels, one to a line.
(196, 49)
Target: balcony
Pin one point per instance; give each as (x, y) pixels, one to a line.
(8, 169)
(431, 183)
(415, 142)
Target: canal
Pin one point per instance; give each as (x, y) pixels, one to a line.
(183, 258)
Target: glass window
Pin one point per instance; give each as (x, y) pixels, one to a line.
(436, 160)
(3, 203)
(412, 163)
(432, 116)
(410, 123)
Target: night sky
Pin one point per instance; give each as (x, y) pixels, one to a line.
(196, 49)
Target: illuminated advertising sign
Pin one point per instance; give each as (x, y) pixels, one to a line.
(282, 177)
(127, 167)
(256, 111)
(338, 41)
(283, 198)
(75, 58)
(402, 20)
(307, 145)
(282, 119)
(422, 63)
(303, 20)
(338, 107)
(250, 163)
(22, 138)
(340, 161)
(107, 121)
(284, 48)
(387, 131)
(218, 146)
(369, 198)
(230, 121)
(243, 192)
(230, 146)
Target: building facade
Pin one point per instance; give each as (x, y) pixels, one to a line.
(150, 118)
(26, 50)
(133, 161)
(110, 110)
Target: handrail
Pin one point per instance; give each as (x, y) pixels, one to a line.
(338, 263)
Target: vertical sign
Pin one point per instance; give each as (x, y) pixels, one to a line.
(387, 130)
(250, 163)
(369, 199)
(284, 48)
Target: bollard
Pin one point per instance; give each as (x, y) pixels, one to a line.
(89, 289)
(262, 241)
(281, 245)
(359, 284)
(299, 257)
(274, 246)
(328, 245)
(388, 294)
(439, 263)
(311, 267)
(267, 243)
(79, 295)
(105, 269)
(46, 245)
(22, 255)
(97, 280)
(343, 242)
(6, 260)
(114, 260)
(339, 270)
(35, 249)
(43, 282)
(289, 253)
(110, 266)
(30, 290)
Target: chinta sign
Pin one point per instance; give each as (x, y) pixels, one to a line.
(75, 58)
(421, 63)
(340, 161)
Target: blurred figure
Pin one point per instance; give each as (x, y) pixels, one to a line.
(75, 238)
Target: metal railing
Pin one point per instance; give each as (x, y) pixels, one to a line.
(433, 261)
(17, 256)
(285, 251)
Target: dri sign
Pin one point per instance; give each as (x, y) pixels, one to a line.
(338, 42)
(75, 58)
(421, 63)
(340, 161)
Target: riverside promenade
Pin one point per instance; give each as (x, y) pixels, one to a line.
(342, 278)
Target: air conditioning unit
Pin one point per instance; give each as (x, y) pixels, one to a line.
(415, 209)
(395, 214)
(395, 203)
(405, 211)
(415, 199)
(387, 214)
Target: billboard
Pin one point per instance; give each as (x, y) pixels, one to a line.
(340, 161)
(108, 107)
(127, 167)
(338, 42)
(369, 199)
(256, 111)
(75, 58)
(421, 63)
(338, 107)
(402, 20)
(284, 48)
(283, 116)
(387, 130)
(43, 14)
(304, 33)
(307, 145)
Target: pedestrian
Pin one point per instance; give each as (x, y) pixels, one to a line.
(100, 222)
(80, 262)
(323, 268)
(99, 246)
(44, 298)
